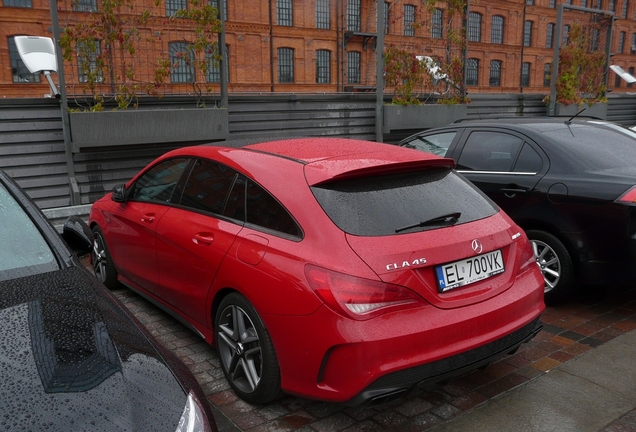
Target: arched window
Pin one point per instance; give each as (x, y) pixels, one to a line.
(495, 73)
(472, 72)
(474, 27)
(285, 65)
(323, 67)
(497, 30)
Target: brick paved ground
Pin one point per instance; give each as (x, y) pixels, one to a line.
(569, 331)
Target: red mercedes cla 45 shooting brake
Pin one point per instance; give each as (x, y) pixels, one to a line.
(332, 269)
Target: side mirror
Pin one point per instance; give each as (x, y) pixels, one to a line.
(77, 235)
(119, 193)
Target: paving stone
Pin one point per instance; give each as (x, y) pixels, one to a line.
(333, 423)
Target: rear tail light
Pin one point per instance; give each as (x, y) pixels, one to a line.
(359, 298)
(526, 252)
(628, 197)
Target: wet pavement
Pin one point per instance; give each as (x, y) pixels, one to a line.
(588, 337)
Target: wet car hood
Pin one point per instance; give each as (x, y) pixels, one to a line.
(71, 359)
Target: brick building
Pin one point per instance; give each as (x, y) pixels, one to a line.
(317, 46)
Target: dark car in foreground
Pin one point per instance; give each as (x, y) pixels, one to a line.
(71, 356)
(568, 182)
(332, 269)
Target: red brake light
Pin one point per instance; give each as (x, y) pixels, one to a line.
(356, 297)
(628, 197)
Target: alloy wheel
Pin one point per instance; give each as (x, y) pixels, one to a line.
(100, 258)
(240, 348)
(548, 262)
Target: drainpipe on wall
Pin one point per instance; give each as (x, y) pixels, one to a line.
(523, 35)
(223, 50)
(271, 46)
(379, 72)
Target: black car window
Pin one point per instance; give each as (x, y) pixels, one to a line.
(489, 151)
(437, 143)
(380, 205)
(159, 182)
(265, 211)
(529, 161)
(24, 250)
(207, 186)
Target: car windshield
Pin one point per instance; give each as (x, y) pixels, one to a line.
(602, 147)
(402, 203)
(23, 249)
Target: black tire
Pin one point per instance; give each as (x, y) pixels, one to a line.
(103, 265)
(247, 355)
(555, 263)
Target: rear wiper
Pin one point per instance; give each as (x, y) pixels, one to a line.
(449, 218)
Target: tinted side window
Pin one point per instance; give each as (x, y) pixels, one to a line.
(159, 183)
(489, 151)
(265, 211)
(529, 160)
(207, 186)
(437, 144)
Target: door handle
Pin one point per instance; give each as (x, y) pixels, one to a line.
(148, 218)
(511, 192)
(205, 239)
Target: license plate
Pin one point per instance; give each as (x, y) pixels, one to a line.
(464, 272)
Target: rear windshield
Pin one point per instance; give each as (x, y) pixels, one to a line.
(403, 203)
(591, 148)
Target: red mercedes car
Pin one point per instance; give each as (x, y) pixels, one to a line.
(332, 269)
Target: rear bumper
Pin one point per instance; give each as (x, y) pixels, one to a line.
(395, 385)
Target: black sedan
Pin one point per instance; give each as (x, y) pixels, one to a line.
(570, 183)
(71, 356)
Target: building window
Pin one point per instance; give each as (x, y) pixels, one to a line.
(596, 37)
(284, 13)
(19, 70)
(632, 48)
(530, 2)
(353, 15)
(549, 36)
(181, 61)
(437, 24)
(525, 74)
(323, 14)
(172, 6)
(495, 73)
(474, 27)
(631, 72)
(87, 56)
(214, 66)
(353, 67)
(568, 2)
(84, 5)
(621, 42)
(215, 3)
(599, 4)
(323, 67)
(566, 35)
(527, 33)
(612, 5)
(547, 78)
(472, 72)
(617, 80)
(285, 65)
(18, 3)
(497, 29)
(552, 4)
(409, 20)
(624, 9)
(584, 3)
(387, 7)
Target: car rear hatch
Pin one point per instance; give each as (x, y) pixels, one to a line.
(429, 230)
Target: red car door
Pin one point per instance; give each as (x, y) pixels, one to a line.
(131, 231)
(193, 238)
(190, 247)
